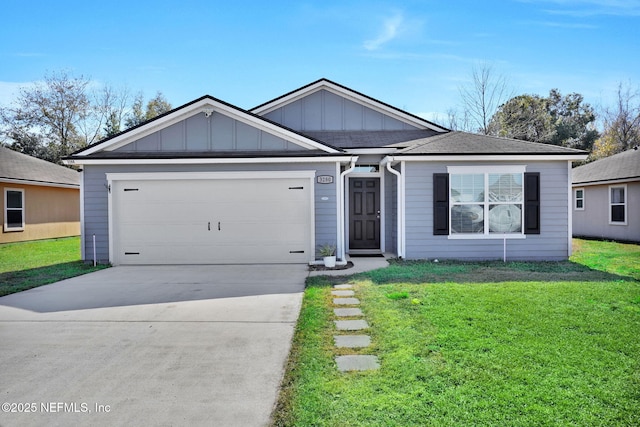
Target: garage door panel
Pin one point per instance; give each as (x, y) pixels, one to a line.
(212, 221)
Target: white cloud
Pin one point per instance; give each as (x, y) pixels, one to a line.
(389, 31)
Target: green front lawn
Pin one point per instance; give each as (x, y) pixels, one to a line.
(483, 344)
(28, 265)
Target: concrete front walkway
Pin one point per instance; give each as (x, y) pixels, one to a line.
(152, 345)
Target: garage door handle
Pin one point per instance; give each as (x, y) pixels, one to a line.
(209, 226)
(218, 225)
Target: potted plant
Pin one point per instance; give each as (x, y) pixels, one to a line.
(328, 254)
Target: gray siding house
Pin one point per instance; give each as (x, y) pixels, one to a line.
(606, 198)
(209, 182)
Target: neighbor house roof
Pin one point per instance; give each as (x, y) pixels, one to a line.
(463, 143)
(622, 166)
(20, 168)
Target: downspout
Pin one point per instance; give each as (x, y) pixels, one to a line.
(400, 200)
(341, 228)
(570, 209)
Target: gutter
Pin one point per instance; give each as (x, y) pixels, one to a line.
(400, 200)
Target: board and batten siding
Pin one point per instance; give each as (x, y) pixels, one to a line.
(550, 244)
(324, 110)
(96, 213)
(215, 133)
(593, 220)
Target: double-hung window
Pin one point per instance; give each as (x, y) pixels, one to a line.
(486, 202)
(618, 204)
(579, 199)
(13, 209)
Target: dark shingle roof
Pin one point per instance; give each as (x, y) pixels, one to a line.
(462, 143)
(624, 165)
(368, 139)
(18, 166)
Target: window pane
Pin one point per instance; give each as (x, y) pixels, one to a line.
(579, 203)
(506, 187)
(467, 219)
(579, 194)
(505, 218)
(467, 188)
(617, 213)
(14, 199)
(617, 195)
(14, 218)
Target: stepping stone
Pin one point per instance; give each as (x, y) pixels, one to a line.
(352, 341)
(347, 312)
(345, 286)
(343, 293)
(346, 301)
(357, 363)
(351, 325)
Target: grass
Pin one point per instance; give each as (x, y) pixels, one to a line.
(28, 265)
(483, 344)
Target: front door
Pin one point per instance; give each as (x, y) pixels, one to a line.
(364, 213)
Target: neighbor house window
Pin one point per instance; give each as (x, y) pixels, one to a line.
(13, 210)
(618, 204)
(579, 193)
(486, 203)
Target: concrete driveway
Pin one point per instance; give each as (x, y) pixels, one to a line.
(149, 345)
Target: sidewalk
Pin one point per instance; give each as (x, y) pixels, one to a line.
(360, 265)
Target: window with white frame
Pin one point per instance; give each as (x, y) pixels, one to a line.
(579, 199)
(486, 202)
(13, 209)
(618, 204)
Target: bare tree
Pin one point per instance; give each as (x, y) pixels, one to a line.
(61, 114)
(621, 123)
(482, 97)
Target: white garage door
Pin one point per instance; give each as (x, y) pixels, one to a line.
(212, 221)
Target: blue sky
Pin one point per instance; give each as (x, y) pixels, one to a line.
(411, 54)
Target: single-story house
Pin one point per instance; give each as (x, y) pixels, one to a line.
(606, 198)
(40, 200)
(209, 182)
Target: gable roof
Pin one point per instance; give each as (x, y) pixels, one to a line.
(19, 168)
(370, 138)
(621, 166)
(205, 104)
(348, 93)
(463, 143)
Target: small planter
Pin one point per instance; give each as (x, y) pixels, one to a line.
(328, 254)
(329, 261)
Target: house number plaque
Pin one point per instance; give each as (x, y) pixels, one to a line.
(325, 179)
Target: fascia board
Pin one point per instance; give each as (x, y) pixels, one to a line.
(490, 157)
(39, 183)
(193, 161)
(352, 96)
(196, 108)
(606, 182)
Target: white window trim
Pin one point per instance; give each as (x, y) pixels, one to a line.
(486, 170)
(6, 209)
(625, 204)
(576, 198)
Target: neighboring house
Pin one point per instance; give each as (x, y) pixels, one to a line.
(40, 200)
(209, 182)
(606, 198)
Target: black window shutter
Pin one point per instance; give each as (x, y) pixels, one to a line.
(441, 204)
(532, 203)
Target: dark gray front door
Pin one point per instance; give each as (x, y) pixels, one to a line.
(364, 213)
